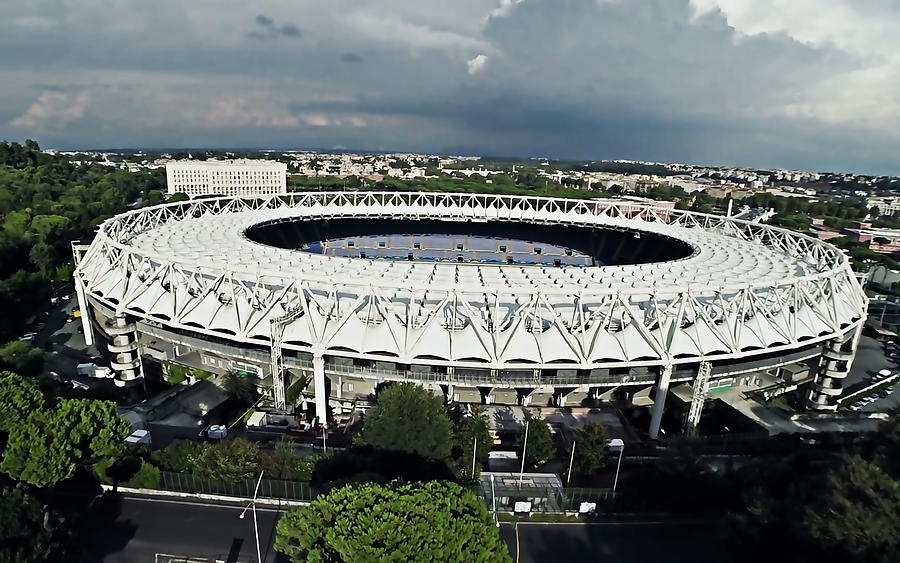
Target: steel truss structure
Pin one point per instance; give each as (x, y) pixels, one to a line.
(747, 289)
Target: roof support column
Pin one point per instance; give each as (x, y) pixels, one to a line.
(319, 387)
(662, 388)
(85, 311)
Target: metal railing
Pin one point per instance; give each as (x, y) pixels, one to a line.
(268, 488)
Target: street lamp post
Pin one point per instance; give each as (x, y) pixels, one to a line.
(255, 523)
(494, 501)
(524, 447)
(474, 455)
(617, 444)
(571, 459)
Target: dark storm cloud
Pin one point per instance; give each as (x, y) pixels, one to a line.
(289, 30)
(652, 79)
(270, 30)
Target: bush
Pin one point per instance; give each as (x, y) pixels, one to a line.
(179, 457)
(147, 477)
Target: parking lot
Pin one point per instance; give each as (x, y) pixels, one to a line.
(875, 360)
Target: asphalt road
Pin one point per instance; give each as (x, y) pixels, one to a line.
(661, 542)
(139, 529)
(145, 528)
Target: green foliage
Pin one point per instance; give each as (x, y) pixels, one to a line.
(410, 419)
(857, 516)
(180, 456)
(283, 462)
(433, 521)
(28, 534)
(147, 477)
(46, 447)
(101, 468)
(799, 222)
(176, 373)
(229, 460)
(241, 386)
(292, 394)
(540, 447)
(591, 448)
(22, 358)
(45, 203)
(466, 429)
(19, 397)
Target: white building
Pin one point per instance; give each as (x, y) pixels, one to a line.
(226, 177)
(886, 205)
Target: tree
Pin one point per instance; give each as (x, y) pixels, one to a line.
(466, 430)
(230, 460)
(46, 447)
(28, 532)
(22, 358)
(540, 447)
(408, 418)
(433, 521)
(283, 462)
(857, 516)
(241, 386)
(591, 448)
(19, 397)
(180, 456)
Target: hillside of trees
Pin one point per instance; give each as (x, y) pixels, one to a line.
(45, 203)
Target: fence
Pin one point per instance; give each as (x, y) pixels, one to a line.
(268, 488)
(503, 498)
(543, 499)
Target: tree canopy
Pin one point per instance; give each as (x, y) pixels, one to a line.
(435, 521)
(19, 397)
(22, 358)
(591, 448)
(46, 202)
(540, 447)
(28, 532)
(857, 516)
(47, 445)
(408, 418)
(467, 428)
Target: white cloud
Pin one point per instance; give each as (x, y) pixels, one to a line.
(53, 110)
(503, 9)
(476, 65)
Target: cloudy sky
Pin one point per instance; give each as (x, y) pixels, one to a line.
(811, 84)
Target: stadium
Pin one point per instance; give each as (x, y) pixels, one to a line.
(482, 298)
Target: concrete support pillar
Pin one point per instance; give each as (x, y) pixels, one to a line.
(340, 388)
(319, 388)
(659, 403)
(85, 312)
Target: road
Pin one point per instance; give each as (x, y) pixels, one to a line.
(143, 528)
(662, 542)
(138, 529)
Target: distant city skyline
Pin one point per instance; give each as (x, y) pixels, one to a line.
(805, 85)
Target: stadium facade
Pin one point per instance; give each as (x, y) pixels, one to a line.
(482, 298)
